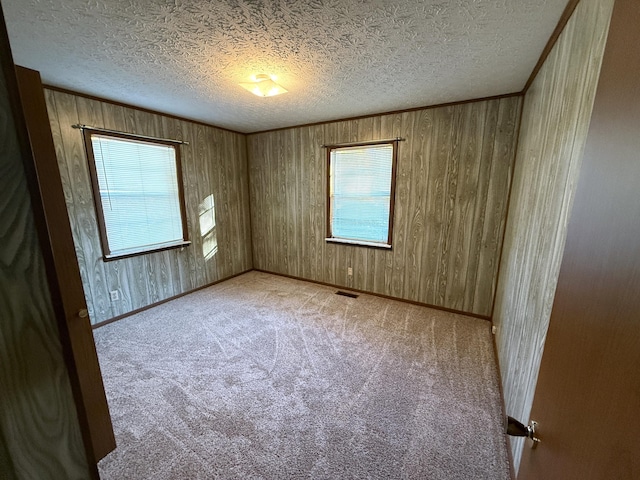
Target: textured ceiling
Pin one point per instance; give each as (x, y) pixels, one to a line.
(337, 58)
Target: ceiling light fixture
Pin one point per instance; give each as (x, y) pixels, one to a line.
(264, 86)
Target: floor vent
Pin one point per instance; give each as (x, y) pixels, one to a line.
(346, 294)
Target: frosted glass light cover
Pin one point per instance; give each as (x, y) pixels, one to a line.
(264, 87)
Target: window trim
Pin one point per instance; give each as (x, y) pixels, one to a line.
(107, 255)
(392, 195)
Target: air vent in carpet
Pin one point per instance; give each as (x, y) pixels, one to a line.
(346, 294)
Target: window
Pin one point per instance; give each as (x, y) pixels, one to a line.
(137, 189)
(361, 187)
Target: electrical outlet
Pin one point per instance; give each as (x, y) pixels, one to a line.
(349, 271)
(115, 295)
(494, 329)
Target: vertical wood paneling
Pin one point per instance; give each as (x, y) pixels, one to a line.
(555, 121)
(213, 164)
(393, 126)
(191, 198)
(416, 207)
(257, 225)
(227, 189)
(499, 178)
(450, 210)
(244, 259)
(181, 259)
(88, 246)
(306, 249)
(478, 214)
(214, 167)
(465, 194)
(439, 243)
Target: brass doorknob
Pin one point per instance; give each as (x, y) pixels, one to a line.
(84, 313)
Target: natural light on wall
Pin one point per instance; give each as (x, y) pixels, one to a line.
(264, 86)
(207, 216)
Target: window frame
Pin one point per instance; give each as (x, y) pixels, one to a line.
(392, 195)
(107, 254)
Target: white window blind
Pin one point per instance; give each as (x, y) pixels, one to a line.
(139, 193)
(360, 187)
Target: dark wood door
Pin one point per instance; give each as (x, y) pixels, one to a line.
(89, 393)
(587, 400)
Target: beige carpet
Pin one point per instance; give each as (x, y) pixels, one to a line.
(266, 377)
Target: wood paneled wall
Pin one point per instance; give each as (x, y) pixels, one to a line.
(214, 163)
(555, 121)
(38, 421)
(453, 178)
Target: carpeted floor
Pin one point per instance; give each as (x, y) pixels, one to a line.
(266, 377)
